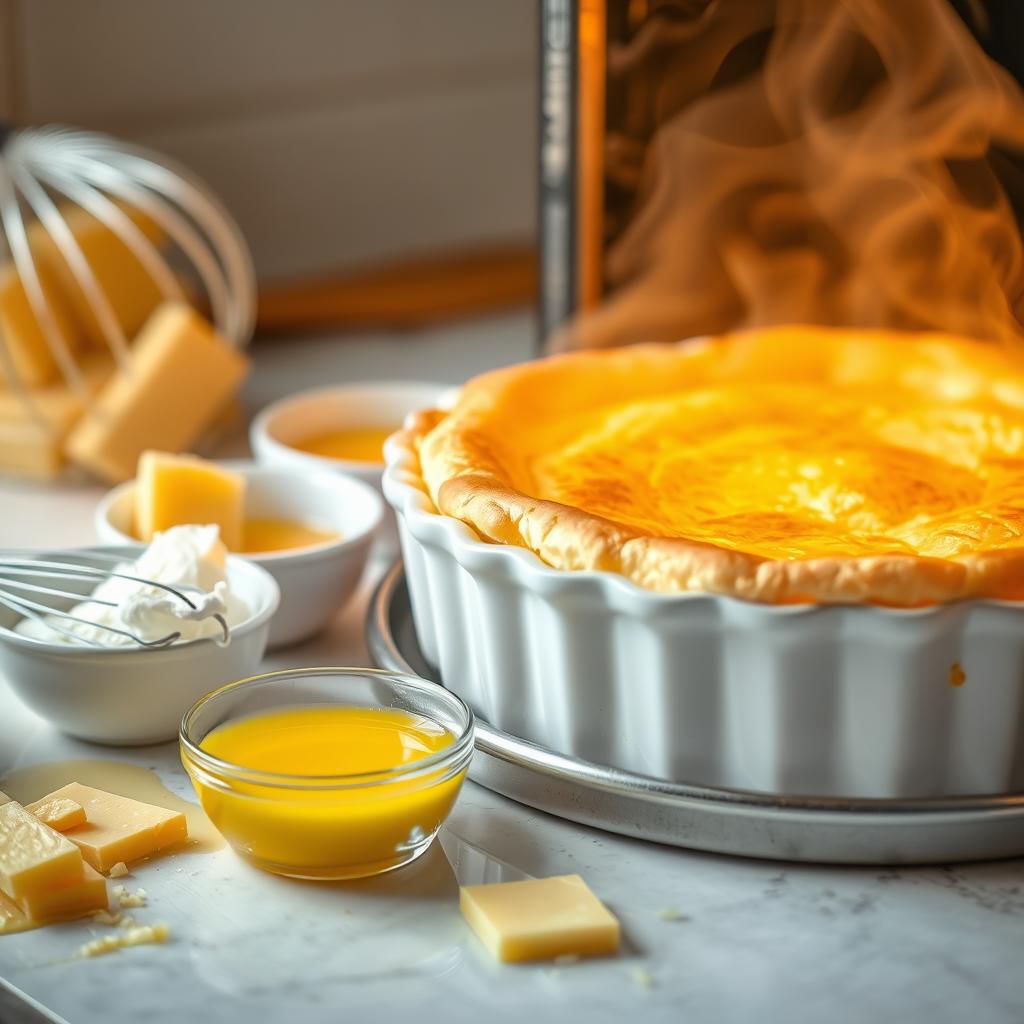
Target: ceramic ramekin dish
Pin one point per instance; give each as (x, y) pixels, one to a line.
(328, 826)
(370, 404)
(315, 581)
(130, 696)
(855, 701)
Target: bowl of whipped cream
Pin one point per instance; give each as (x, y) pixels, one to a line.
(86, 672)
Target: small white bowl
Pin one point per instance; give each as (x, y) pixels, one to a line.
(131, 696)
(315, 581)
(371, 404)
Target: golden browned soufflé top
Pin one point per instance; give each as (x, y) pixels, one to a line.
(795, 464)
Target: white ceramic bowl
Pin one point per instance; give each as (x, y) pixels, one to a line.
(370, 404)
(315, 581)
(129, 696)
(820, 700)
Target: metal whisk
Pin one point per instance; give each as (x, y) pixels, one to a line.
(15, 594)
(47, 173)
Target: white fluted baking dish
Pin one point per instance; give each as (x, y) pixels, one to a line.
(830, 700)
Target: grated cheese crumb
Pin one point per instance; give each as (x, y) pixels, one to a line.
(119, 870)
(99, 946)
(147, 934)
(126, 899)
(643, 978)
(106, 917)
(672, 914)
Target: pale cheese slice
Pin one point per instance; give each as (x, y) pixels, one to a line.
(540, 919)
(118, 828)
(59, 813)
(33, 856)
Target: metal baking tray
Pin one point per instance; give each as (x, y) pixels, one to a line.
(813, 830)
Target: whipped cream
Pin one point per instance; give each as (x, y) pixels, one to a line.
(191, 558)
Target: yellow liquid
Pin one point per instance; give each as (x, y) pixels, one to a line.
(362, 444)
(264, 535)
(328, 832)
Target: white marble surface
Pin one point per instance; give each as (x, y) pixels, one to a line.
(758, 941)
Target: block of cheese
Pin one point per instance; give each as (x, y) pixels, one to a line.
(32, 856)
(182, 372)
(118, 828)
(59, 813)
(79, 896)
(130, 291)
(22, 333)
(176, 490)
(31, 448)
(540, 919)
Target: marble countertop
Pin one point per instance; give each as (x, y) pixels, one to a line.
(750, 940)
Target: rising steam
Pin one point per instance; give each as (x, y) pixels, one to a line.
(818, 161)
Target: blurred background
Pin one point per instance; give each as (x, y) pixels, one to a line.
(429, 188)
(341, 133)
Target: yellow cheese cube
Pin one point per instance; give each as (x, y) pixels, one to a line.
(540, 919)
(130, 291)
(180, 377)
(118, 828)
(22, 334)
(175, 490)
(32, 856)
(59, 813)
(82, 895)
(31, 448)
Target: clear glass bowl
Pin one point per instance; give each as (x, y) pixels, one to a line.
(320, 826)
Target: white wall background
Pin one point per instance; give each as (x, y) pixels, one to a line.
(340, 132)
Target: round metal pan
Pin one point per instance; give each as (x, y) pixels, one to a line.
(817, 830)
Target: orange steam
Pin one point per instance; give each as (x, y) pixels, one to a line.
(817, 161)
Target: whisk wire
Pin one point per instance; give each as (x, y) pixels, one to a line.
(11, 568)
(13, 223)
(88, 183)
(46, 171)
(53, 592)
(195, 198)
(57, 228)
(59, 569)
(45, 613)
(16, 606)
(191, 243)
